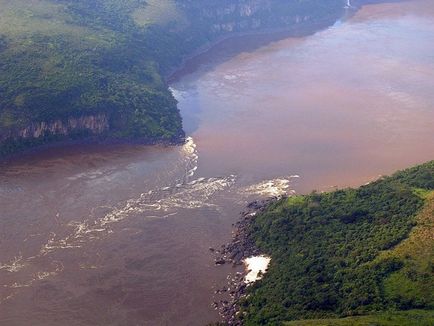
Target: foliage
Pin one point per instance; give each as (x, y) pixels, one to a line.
(400, 318)
(64, 59)
(335, 254)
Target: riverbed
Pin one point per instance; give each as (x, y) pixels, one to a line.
(120, 235)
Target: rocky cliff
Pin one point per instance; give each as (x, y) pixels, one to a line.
(94, 124)
(250, 15)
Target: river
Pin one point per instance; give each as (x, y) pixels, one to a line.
(120, 235)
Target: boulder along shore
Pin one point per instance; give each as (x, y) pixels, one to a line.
(241, 247)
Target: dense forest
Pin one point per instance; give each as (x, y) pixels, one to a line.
(366, 251)
(63, 59)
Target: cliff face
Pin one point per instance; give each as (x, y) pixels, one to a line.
(96, 124)
(238, 16)
(249, 15)
(93, 124)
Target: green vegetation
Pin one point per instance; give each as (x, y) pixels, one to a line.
(62, 59)
(400, 318)
(366, 251)
(72, 58)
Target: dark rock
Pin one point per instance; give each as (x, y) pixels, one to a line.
(240, 248)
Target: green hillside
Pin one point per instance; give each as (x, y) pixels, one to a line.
(61, 59)
(65, 59)
(399, 318)
(347, 253)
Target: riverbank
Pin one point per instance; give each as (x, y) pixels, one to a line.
(237, 252)
(256, 39)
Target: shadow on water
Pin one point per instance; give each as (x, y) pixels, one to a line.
(227, 48)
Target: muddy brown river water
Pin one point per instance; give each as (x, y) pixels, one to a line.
(120, 235)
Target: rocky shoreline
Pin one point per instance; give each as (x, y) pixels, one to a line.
(241, 246)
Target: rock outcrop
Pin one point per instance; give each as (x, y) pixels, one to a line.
(95, 124)
(225, 16)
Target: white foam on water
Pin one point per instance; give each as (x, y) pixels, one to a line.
(157, 203)
(56, 268)
(190, 153)
(14, 265)
(270, 188)
(54, 243)
(177, 93)
(185, 193)
(152, 201)
(18, 285)
(7, 298)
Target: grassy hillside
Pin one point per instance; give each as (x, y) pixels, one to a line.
(400, 318)
(349, 252)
